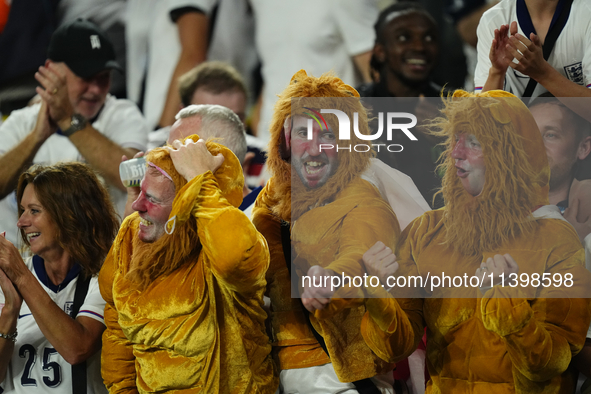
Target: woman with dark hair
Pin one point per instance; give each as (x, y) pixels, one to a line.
(51, 300)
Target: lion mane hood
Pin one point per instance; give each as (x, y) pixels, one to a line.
(293, 101)
(181, 240)
(517, 171)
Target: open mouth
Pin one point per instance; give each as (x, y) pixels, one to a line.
(461, 172)
(32, 236)
(145, 222)
(314, 167)
(417, 63)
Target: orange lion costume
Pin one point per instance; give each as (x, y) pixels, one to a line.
(184, 313)
(348, 217)
(499, 342)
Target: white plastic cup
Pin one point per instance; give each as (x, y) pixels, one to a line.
(132, 171)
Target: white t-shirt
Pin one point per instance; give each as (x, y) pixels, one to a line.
(119, 120)
(317, 36)
(153, 50)
(571, 55)
(35, 366)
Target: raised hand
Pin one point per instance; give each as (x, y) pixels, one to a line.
(12, 298)
(54, 92)
(380, 261)
(192, 158)
(500, 55)
(317, 298)
(497, 265)
(529, 54)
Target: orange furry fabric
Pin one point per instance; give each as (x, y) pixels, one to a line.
(291, 102)
(169, 252)
(517, 171)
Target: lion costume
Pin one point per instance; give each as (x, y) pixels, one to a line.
(185, 312)
(491, 343)
(347, 217)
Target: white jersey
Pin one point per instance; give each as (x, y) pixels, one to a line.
(35, 366)
(317, 36)
(571, 55)
(119, 120)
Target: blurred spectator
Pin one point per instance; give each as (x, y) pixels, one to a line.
(23, 48)
(404, 57)
(218, 83)
(109, 16)
(567, 70)
(316, 36)
(165, 39)
(231, 39)
(567, 137)
(214, 83)
(76, 120)
(466, 15)
(451, 69)
(405, 53)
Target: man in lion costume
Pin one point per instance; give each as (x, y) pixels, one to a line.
(516, 338)
(184, 281)
(318, 192)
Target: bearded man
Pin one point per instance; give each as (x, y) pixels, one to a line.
(184, 281)
(496, 220)
(334, 215)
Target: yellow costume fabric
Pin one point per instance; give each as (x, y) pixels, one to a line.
(486, 345)
(501, 342)
(294, 345)
(348, 218)
(199, 328)
(343, 231)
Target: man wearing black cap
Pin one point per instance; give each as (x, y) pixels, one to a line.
(76, 119)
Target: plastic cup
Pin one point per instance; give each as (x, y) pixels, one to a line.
(132, 171)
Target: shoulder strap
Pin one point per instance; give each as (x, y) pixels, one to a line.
(363, 386)
(549, 42)
(79, 370)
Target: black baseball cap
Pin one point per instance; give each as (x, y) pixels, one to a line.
(83, 47)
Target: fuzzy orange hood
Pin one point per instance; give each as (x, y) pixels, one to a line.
(171, 250)
(517, 171)
(293, 101)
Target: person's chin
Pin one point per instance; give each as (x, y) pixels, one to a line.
(145, 236)
(89, 109)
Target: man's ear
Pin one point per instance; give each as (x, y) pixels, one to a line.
(285, 144)
(380, 52)
(247, 160)
(584, 148)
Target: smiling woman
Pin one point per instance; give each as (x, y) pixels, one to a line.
(67, 220)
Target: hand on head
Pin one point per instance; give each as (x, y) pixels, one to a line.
(193, 158)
